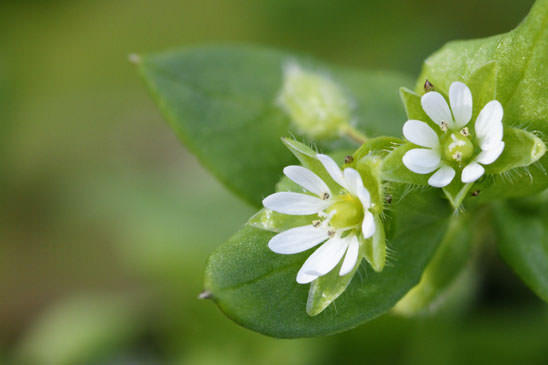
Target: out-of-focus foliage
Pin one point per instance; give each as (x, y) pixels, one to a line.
(99, 199)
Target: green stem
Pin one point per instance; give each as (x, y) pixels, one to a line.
(354, 134)
(457, 200)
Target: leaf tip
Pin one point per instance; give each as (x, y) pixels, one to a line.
(134, 58)
(206, 294)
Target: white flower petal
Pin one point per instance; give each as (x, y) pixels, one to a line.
(297, 239)
(421, 161)
(460, 99)
(489, 156)
(307, 179)
(353, 180)
(488, 126)
(472, 172)
(365, 197)
(295, 203)
(436, 108)
(322, 261)
(332, 169)
(420, 133)
(442, 177)
(351, 257)
(368, 224)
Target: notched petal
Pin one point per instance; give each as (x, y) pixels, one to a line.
(297, 239)
(435, 106)
(294, 203)
(421, 161)
(420, 133)
(460, 99)
(472, 172)
(307, 179)
(442, 177)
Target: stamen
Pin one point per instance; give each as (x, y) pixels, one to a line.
(465, 132)
(348, 159)
(325, 196)
(316, 223)
(475, 192)
(331, 233)
(444, 126)
(428, 86)
(457, 156)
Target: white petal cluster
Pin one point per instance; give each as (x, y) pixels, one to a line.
(487, 139)
(337, 242)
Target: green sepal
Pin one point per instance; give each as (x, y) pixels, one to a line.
(482, 85)
(514, 183)
(521, 149)
(307, 158)
(380, 146)
(394, 170)
(325, 289)
(374, 248)
(413, 108)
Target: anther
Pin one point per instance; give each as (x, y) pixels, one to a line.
(428, 86)
(444, 126)
(316, 223)
(475, 192)
(331, 233)
(457, 156)
(325, 196)
(348, 159)
(465, 132)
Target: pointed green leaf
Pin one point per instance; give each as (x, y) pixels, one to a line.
(257, 288)
(222, 103)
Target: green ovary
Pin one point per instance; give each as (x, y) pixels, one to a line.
(349, 212)
(456, 147)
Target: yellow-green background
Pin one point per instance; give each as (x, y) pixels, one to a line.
(106, 221)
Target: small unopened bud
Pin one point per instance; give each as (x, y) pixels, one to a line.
(428, 86)
(316, 104)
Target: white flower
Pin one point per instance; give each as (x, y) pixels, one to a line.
(454, 146)
(342, 217)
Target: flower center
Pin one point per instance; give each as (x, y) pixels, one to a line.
(348, 212)
(457, 147)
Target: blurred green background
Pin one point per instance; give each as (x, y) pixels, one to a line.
(106, 221)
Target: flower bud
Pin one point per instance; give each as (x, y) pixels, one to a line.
(316, 104)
